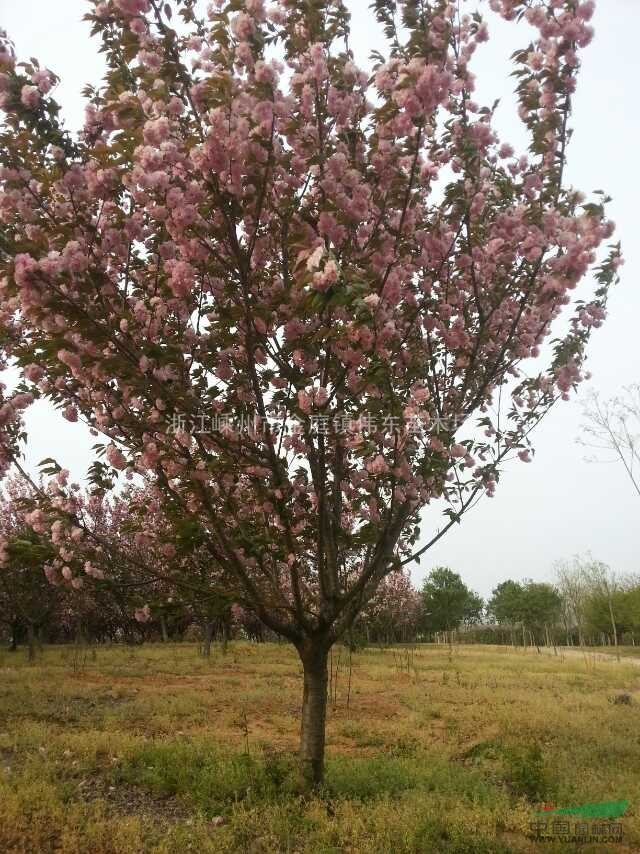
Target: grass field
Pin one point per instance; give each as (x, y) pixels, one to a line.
(120, 749)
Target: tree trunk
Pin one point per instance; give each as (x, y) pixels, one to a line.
(225, 636)
(13, 645)
(163, 628)
(614, 627)
(208, 637)
(314, 713)
(31, 638)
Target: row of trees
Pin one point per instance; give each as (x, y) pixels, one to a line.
(118, 584)
(586, 605)
(161, 585)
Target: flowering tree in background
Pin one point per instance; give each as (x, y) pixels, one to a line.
(133, 544)
(144, 576)
(355, 267)
(393, 615)
(25, 598)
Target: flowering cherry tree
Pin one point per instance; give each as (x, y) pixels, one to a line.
(71, 539)
(131, 541)
(394, 613)
(25, 598)
(351, 264)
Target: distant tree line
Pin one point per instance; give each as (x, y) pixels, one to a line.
(587, 606)
(184, 597)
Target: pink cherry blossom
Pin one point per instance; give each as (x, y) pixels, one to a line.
(116, 457)
(378, 465)
(30, 96)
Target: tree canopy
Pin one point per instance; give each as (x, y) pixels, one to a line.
(448, 602)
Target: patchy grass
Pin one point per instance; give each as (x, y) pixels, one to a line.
(152, 748)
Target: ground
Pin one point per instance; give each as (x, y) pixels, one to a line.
(433, 749)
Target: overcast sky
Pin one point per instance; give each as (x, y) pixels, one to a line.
(560, 504)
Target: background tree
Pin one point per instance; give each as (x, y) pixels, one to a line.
(506, 602)
(26, 600)
(573, 588)
(541, 609)
(447, 601)
(147, 564)
(597, 601)
(533, 606)
(234, 236)
(394, 614)
(474, 610)
(603, 585)
(614, 426)
(623, 603)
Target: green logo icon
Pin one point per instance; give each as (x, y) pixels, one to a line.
(611, 809)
